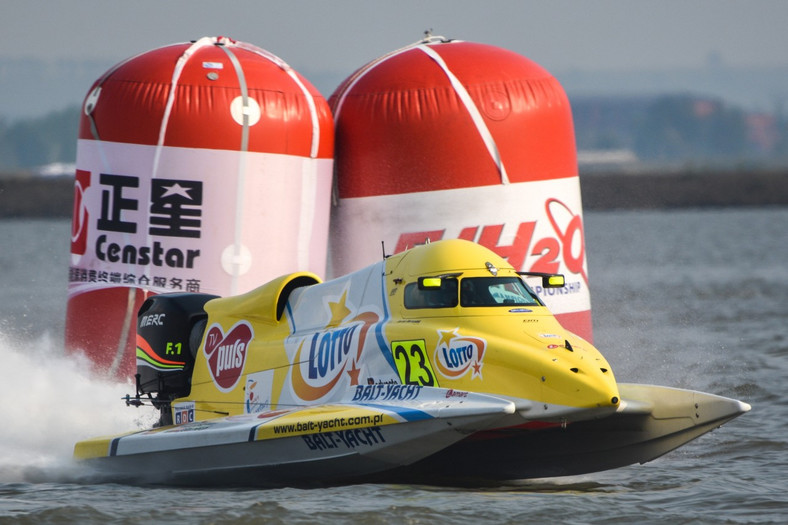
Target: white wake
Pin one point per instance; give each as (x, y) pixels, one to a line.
(48, 402)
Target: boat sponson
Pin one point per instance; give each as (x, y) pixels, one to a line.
(651, 421)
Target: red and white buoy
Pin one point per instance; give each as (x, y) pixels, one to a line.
(452, 139)
(202, 166)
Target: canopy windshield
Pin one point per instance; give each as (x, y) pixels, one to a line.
(496, 291)
(473, 291)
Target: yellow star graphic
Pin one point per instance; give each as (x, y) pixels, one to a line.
(446, 336)
(338, 310)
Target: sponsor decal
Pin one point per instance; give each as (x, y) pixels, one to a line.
(152, 320)
(258, 391)
(331, 423)
(315, 420)
(386, 392)
(197, 426)
(412, 362)
(226, 353)
(348, 439)
(529, 250)
(457, 355)
(139, 233)
(324, 358)
(175, 205)
(144, 255)
(79, 222)
(373, 381)
(566, 346)
(183, 413)
(455, 393)
(574, 287)
(568, 228)
(146, 356)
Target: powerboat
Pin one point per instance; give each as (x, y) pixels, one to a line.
(433, 365)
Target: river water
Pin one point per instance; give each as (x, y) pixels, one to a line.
(692, 298)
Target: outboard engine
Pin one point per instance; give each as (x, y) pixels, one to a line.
(169, 331)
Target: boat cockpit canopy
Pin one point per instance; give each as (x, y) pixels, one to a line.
(448, 291)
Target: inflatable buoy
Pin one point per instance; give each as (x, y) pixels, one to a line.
(451, 139)
(202, 166)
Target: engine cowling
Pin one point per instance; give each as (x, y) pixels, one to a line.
(169, 332)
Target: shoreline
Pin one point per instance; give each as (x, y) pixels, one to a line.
(29, 196)
(684, 189)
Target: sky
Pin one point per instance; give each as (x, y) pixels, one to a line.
(333, 38)
(345, 34)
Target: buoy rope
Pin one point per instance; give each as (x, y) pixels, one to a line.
(241, 185)
(310, 101)
(473, 111)
(426, 46)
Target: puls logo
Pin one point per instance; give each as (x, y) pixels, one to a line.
(456, 355)
(226, 354)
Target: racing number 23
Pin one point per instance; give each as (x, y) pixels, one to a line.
(412, 363)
